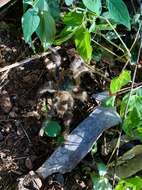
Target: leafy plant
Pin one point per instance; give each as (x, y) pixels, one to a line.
(38, 19)
(100, 181)
(134, 183)
(120, 81)
(133, 122)
(79, 23)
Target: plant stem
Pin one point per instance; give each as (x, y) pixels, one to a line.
(115, 45)
(128, 51)
(105, 48)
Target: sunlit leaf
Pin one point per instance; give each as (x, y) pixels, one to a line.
(73, 19)
(120, 81)
(134, 183)
(83, 43)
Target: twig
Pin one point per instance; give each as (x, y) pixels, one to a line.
(135, 40)
(133, 80)
(26, 134)
(129, 54)
(27, 60)
(105, 48)
(96, 71)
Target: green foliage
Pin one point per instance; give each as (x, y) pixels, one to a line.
(93, 5)
(134, 183)
(119, 12)
(38, 19)
(51, 128)
(47, 29)
(100, 182)
(109, 102)
(120, 81)
(83, 43)
(78, 24)
(73, 19)
(133, 122)
(30, 18)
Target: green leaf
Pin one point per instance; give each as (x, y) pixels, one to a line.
(120, 81)
(54, 8)
(83, 43)
(41, 5)
(109, 102)
(133, 122)
(119, 12)
(46, 29)
(29, 2)
(30, 22)
(134, 183)
(93, 5)
(26, 4)
(69, 2)
(51, 128)
(65, 35)
(73, 19)
(100, 183)
(102, 169)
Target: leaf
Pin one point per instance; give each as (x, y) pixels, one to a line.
(41, 5)
(69, 2)
(29, 2)
(120, 81)
(83, 43)
(54, 9)
(119, 12)
(65, 35)
(30, 22)
(73, 19)
(100, 183)
(133, 123)
(26, 4)
(132, 102)
(109, 102)
(93, 5)
(51, 128)
(102, 169)
(134, 183)
(46, 29)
